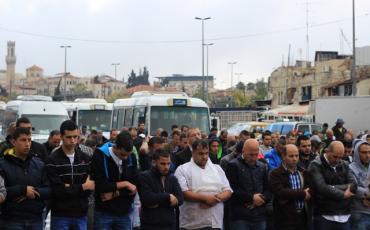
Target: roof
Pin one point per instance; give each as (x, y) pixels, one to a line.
(178, 77)
(293, 110)
(35, 67)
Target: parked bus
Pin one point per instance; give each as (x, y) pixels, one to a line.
(93, 113)
(44, 114)
(160, 110)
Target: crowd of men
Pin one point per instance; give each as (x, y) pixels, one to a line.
(184, 179)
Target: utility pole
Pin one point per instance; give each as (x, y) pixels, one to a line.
(353, 71)
(206, 91)
(115, 69)
(203, 88)
(232, 72)
(65, 70)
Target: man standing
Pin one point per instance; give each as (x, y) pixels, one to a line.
(339, 130)
(273, 157)
(360, 207)
(291, 138)
(185, 155)
(160, 194)
(26, 185)
(114, 173)
(37, 149)
(289, 185)
(248, 179)
(334, 185)
(305, 154)
(266, 142)
(68, 171)
(205, 188)
(214, 150)
(53, 141)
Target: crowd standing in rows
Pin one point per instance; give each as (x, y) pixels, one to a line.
(184, 179)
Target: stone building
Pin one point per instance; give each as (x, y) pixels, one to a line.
(301, 83)
(188, 84)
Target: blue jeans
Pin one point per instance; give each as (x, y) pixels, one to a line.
(66, 223)
(248, 225)
(360, 221)
(21, 225)
(320, 223)
(105, 221)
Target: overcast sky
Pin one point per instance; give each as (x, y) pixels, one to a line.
(164, 36)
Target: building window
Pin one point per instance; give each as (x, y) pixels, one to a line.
(347, 90)
(306, 93)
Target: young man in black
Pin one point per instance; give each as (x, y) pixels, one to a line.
(160, 194)
(114, 173)
(68, 171)
(26, 185)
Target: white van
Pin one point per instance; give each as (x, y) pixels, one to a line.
(94, 113)
(45, 115)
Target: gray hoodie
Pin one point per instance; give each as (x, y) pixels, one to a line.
(362, 175)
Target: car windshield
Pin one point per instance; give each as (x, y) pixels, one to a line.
(95, 119)
(237, 128)
(164, 117)
(44, 124)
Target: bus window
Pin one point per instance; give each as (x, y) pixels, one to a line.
(164, 117)
(286, 129)
(304, 128)
(115, 119)
(128, 118)
(120, 117)
(139, 115)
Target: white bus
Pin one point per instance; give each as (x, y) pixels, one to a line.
(94, 113)
(160, 110)
(2, 111)
(44, 114)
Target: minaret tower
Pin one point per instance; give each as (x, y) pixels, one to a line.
(10, 66)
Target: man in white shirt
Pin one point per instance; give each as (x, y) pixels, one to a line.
(205, 188)
(334, 186)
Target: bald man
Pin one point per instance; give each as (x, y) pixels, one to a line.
(248, 179)
(334, 186)
(289, 184)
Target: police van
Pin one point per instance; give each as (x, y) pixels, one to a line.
(44, 113)
(160, 110)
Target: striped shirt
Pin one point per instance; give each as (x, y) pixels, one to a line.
(296, 184)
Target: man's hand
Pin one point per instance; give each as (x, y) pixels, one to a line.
(211, 200)
(366, 203)
(31, 193)
(308, 195)
(348, 194)
(89, 184)
(20, 199)
(258, 200)
(173, 200)
(127, 185)
(106, 196)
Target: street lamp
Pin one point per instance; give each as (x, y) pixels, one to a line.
(206, 91)
(203, 19)
(232, 72)
(65, 69)
(353, 71)
(115, 69)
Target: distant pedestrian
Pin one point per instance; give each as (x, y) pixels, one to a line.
(339, 130)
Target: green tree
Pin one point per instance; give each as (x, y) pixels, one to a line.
(239, 99)
(251, 86)
(79, 88)
(240, 86)
(261, 90)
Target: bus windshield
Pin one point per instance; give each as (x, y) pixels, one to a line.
(44, 124)
(95, 119)
(164, 117)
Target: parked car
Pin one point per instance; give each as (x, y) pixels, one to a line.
(285, 127)
(252, 127)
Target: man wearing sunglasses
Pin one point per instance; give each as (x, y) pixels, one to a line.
(68, 170)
